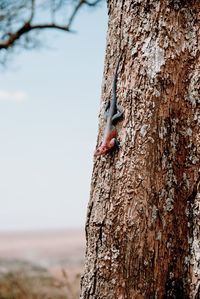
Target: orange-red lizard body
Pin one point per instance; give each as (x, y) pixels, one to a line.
(112, 115)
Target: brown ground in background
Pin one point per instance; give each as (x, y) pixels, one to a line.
(41, 265)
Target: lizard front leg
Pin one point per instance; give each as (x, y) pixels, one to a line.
(108, 144)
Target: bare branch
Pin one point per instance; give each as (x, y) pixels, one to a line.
(5, 44)
(12, 17)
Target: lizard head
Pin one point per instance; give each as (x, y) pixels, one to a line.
(102, 150)
(105, 148)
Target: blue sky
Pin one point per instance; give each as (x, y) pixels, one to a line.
(49, 104)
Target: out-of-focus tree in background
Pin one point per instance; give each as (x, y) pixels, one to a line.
(21, 21)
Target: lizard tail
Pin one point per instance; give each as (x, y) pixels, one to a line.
(114, 89)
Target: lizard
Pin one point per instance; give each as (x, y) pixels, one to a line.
(112, 114)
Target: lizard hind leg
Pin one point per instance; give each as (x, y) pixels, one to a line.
(117, 115)
(106, 113)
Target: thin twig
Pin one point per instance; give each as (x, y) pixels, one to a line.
(32, 10)
(81, 2)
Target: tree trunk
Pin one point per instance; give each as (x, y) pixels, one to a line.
(143, 218)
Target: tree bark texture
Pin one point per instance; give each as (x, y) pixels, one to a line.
(143, 217)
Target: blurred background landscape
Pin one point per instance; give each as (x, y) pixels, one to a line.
(41, 264)
(49, 103)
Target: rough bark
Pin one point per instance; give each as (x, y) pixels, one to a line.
(143, 217)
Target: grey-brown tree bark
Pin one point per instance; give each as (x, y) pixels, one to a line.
(143, 217)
